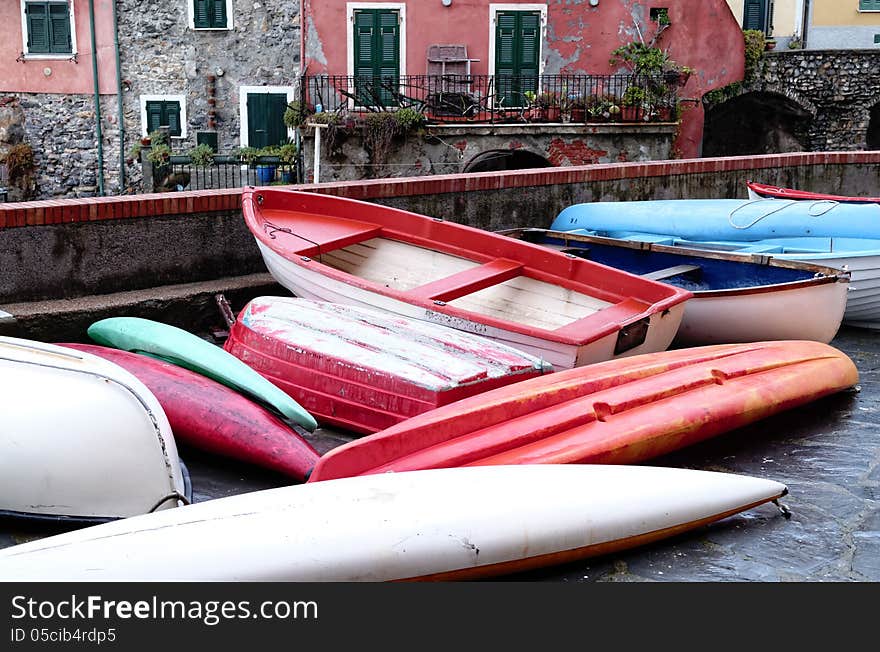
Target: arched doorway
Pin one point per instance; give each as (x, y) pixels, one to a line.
(873, 135)
(495, 160)
(756, 123)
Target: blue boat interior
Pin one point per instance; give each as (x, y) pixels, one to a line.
(699, 274)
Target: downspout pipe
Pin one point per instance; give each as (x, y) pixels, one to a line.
(98, 134)
(119, 107)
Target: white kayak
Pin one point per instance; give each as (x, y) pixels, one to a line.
(81, 438)
(438, 524)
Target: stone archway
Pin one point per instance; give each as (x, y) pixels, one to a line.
(872, 140)
(495, 160)
(756, 123)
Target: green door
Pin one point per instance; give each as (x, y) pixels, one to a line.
(376, 56)
(266, 119)
(755, 15)
(517, 55)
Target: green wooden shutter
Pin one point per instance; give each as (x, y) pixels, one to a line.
(869, 5)
(161, 113)
(266, 119)
(201, 14)
(59, 28)
(209, 14)
(517, 55)
(376, 54)
(38, 27)
(218, 13)
(754, 13)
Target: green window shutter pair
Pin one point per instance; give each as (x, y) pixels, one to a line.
(266, 119)
(517, 55)
(869, 5)
(210, 13)
(48, 26)
(754, 15)
(162, 113)
(377, 53)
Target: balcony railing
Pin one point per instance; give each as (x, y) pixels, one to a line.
(500, 98)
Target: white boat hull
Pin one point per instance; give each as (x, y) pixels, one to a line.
(82, 438)
(813, 312)
(309, 284)
(434, 524)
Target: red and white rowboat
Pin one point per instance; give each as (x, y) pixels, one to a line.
(558, 307)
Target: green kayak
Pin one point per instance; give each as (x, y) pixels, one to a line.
(184, 349)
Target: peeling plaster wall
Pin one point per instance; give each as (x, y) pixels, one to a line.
(703, 35)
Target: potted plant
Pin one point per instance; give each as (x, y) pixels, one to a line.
(287, 155)
(578, 109)
(201, 156)
(549, 106)
(633, 104)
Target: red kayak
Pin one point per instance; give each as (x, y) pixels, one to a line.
(212, 417)
(618, 412)
(763, 191)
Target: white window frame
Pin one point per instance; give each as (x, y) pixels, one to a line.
(243, 92)
(495, 8)
(181, 101)
(48, 55)
(191, 17)
(350, 8)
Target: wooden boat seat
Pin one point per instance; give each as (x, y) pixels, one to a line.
(468, 280)
(669, 272)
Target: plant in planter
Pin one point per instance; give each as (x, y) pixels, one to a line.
(603, 109)
(201, 156)
(287, 156)
(634, 104)
(549, 106)
(577, 108)
(296, 114)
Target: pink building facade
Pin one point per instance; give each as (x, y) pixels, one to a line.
(553, 37)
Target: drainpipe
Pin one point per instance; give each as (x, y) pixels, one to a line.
(97, 100)
(120, 114)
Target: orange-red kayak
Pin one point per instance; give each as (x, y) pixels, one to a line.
(212, 417)
(764, 191)
(617, 412)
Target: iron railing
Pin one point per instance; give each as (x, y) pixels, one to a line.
(499, 98)
(224, 172)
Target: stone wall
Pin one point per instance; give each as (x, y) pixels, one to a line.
(837, 87)
(449, 149)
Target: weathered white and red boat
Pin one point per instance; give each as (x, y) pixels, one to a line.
(615, 412)
(445, 524)
(563, 309)
(764, 191)
(363, 370)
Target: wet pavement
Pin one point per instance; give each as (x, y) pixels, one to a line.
(827, 453)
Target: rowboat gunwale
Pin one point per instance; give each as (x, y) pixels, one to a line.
(474, 244)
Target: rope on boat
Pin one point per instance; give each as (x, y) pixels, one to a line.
(785, 204)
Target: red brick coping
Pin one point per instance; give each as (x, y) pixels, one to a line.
(61, 211)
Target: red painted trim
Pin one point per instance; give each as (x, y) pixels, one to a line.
(208, 201)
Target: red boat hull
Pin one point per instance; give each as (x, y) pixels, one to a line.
(211, 417)
(618, 412)
(776, 192)
(364, 370)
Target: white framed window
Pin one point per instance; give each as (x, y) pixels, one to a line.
(209, 14)
(354, 67)
(163, 110)
(495, 8)
(48, 29)
(265, 102)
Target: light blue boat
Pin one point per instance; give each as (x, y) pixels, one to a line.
(845, 236)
